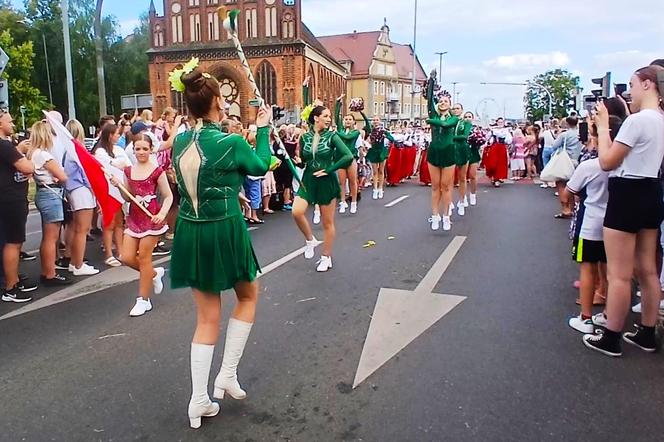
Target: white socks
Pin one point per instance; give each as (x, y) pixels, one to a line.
(237, 335)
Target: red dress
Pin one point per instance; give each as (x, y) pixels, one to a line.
(425, 176)
(393, 167)
(495, 162)
(139, 225)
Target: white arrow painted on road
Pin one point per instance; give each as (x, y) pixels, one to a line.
(400, 316)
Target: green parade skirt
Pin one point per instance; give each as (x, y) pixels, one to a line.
(462, 154)
(475, 157)
(212, 256)
(442, 157)
(321, 190)
(377, 155)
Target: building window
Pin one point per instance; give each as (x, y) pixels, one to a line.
(375, 108)
(271, 22)
(158, 36)
(194, 2)
(375, 87)
(212, 2)
(288, 26)
(251, 22)
(213, 26)
(400, 108)
(266, 78)
(176, 24)
(195, 27)
(382, 88)
(382, 108)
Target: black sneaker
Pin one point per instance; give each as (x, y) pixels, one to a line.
(62, 263)
(643, 338)
(57, 280)
(27, 257)
(26, 286)
(160, 251)
(15, 295)
(603, 344)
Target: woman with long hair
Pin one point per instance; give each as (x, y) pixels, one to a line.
(143, 180)
(462, 149)
(82, 203)
(50, 178)
(634, 212)
(441, 156)
(496, 162)
(115, 159)
(350, 136)
(323, 154)
(377, 153)
(212, 250)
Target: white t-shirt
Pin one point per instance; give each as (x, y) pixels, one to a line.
(39, 159)
(643, 132)
(120, 161)
(548, 137)
(589, 175)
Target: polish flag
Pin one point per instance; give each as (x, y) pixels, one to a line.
(108, 196)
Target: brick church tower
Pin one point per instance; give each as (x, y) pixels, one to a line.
(280, 48)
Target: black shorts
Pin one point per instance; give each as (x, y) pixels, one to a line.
(585, 250)
(634, 204)
(13, 219)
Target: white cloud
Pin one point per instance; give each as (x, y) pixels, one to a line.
(550, 60)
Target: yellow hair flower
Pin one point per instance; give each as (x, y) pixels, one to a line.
(306, 112)
(175, 77)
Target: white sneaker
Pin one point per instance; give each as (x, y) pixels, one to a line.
(316, 217)
(600, 319)
(310, 248)
(353, 207)
(637, 307)
(375, 194)
(584, 326)
(447, 224)
(465, 201)
(544, 186)
(435, 222)
(157, 282)
(461, 208)
(473, 199)
(343, 206)
(84, 270)
(381, 194)
(141, 307)
(324, 264)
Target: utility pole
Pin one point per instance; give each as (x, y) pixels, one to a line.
(414, 81)
(99, 53)
(440, 66)
(48, 70)
(64, 6)
(454, 92)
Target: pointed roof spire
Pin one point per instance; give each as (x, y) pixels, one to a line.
(152, 10)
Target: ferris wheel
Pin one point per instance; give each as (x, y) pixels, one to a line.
(486, 110)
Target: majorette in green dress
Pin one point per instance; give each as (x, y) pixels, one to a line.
(461, 134)
(442, 152)
(348, 136)
(212, 249)
(378, 151)
(330, 155)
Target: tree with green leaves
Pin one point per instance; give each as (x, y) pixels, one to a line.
(17, 74)
(561, 84)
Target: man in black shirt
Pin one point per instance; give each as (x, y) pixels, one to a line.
(15, 170)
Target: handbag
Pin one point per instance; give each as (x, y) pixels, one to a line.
(559, 168)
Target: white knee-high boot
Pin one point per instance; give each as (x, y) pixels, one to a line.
(200, 404)
(236, 339)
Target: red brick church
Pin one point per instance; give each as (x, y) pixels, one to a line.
(281, 50)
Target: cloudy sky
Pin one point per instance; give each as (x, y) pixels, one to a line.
(493, 40)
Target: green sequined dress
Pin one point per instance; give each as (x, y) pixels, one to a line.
(442, 150)
(330, 155)
(212, 249)
(461, 134)
(349, 137)
(378, 151)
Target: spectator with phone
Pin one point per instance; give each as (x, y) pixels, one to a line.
(570, 142)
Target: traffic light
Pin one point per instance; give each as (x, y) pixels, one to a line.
(277, 113)
(605, 84)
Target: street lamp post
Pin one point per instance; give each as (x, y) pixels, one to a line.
(414, 75)
(64, 6)
(48, 70)
(440, 66)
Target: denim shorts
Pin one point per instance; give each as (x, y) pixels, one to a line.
(49, 204)
(252, 190)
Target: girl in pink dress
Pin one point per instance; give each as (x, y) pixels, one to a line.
(142, 232)
(518, 157)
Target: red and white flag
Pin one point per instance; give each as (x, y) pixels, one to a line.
(108, 196)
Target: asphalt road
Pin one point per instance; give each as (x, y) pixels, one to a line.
(501, 366)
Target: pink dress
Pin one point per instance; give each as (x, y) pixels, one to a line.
(139, 225)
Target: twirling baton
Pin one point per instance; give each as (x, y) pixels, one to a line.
(229, 21)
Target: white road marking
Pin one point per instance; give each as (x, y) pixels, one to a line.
(33, 233)
(400, 316)
(396, 201)
(113, 277)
